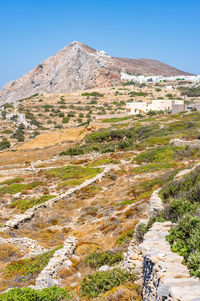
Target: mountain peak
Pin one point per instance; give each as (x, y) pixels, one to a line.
(71, 70)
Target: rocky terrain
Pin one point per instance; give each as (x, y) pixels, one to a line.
(79, 67)
(79, 184)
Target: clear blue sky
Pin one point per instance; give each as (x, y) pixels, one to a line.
(32, 30)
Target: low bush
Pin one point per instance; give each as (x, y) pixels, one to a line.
(100, 282)
(125, 237)
(28, 269)
(11, 181)
(72, 172)
(98, 259)
(182, 206)
(46, 294)
(76, 151)
(95, 94)
(4, 144)
(25, 204)
(18, 187)
(65, 119)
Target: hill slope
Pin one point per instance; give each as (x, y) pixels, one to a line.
(79, 67)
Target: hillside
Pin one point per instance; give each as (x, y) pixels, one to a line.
(79, 67)
(77, 175)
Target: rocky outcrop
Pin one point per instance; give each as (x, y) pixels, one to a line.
(79, 67)
(60, 258)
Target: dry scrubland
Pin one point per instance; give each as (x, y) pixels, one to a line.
(71, 142)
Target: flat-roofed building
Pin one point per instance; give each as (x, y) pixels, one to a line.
(168, 105)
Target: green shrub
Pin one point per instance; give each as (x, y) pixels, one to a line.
(71, 114)
(191, 92)
(29, 268)
(72, 172)
(127, 236)
(19, 134)
(29, 294)
(100, 282)
(76, 151)
(95, 94)
(4, 144)
(98, 259)
(182, 198)
(11, 181)
(25, 204)
(61, 114)
(134, 93)
(65, 119)
(18, 187)
(184, 239)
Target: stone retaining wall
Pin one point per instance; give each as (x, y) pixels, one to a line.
(60, 258)
(164, 275)
(30, 213)
(191, 143)
(27, 246)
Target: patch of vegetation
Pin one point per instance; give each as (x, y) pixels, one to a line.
(125, 237)
(46, 294)
(162, 157)
(113, 120)
(6, 132)
(95, 94)
(25, 204)
(98, 259)
(191, 92)
(71, 182)
(134, 93)
(100, 282)
(104, 162)
(65, 119)
(31, 117)
(75, 151)
(73, 172)
(28, 269)
(11, 181)
(182, 205)
(18, 187)
(19, 133)
(4, 144)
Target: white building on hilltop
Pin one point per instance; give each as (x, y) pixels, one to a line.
(172, 105)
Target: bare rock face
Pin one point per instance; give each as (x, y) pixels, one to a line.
(79, 67)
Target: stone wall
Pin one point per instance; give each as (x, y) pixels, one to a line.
(164, 276)
(190, 143)
(60, 258)
(21, 219)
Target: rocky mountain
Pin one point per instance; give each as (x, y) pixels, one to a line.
(79, 67)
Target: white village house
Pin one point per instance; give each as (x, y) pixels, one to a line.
(169, 105)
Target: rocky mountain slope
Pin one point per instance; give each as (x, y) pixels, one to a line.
(79, 67)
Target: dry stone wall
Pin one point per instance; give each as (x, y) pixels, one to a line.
(20, 219)
(60, 258)
(27, 246)
(191, 143)
(164, 275)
